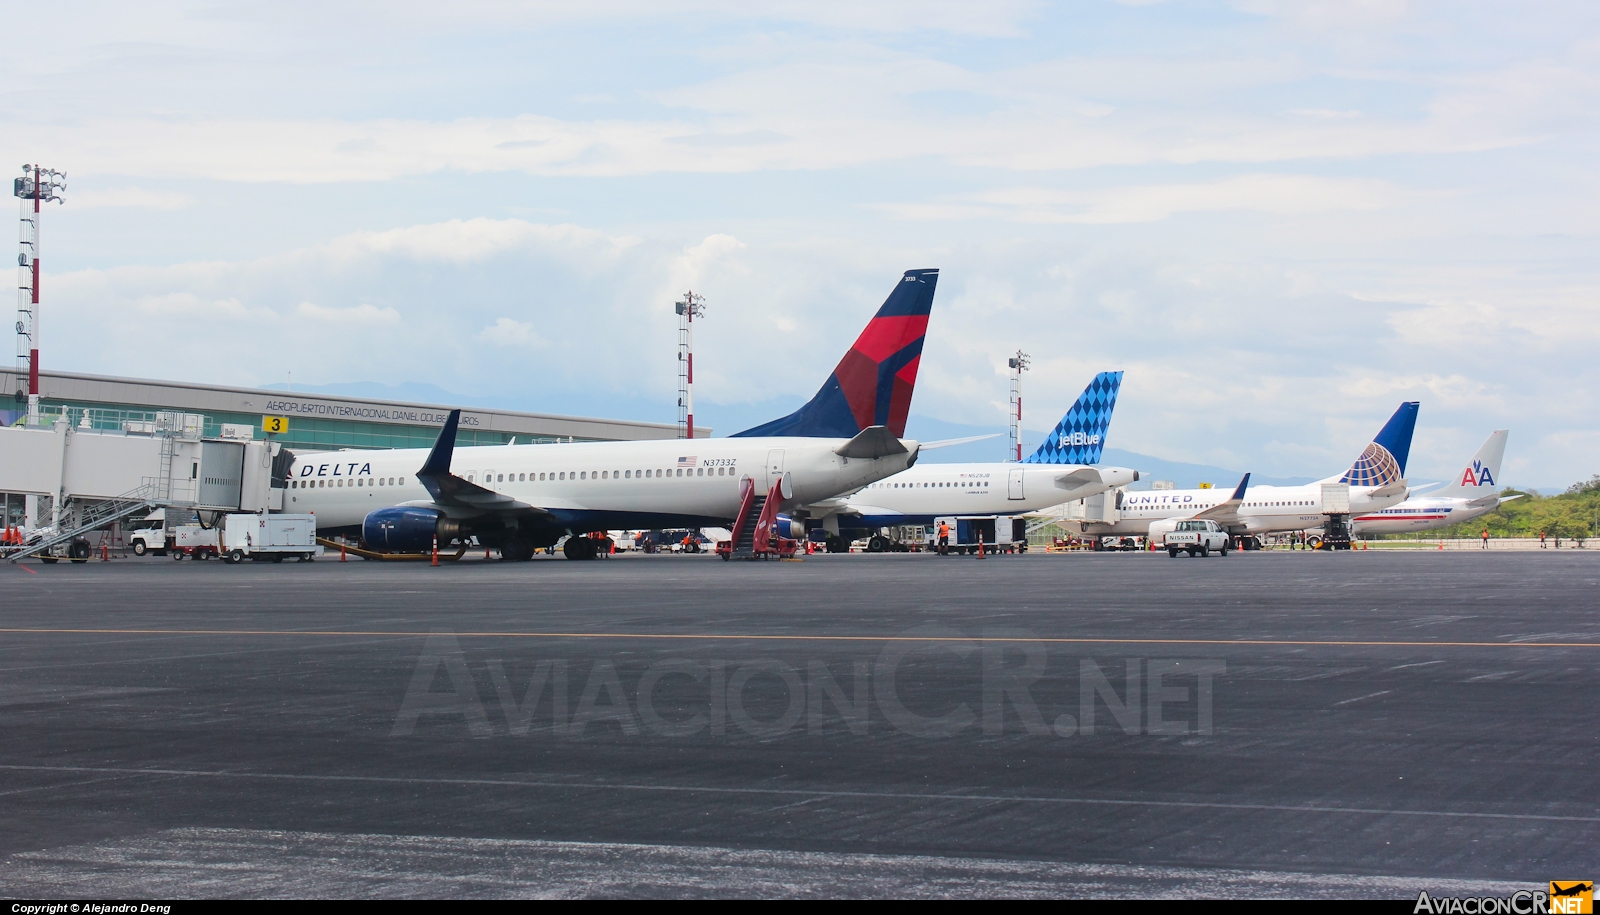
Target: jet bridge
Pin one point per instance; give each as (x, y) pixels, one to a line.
(77, 479)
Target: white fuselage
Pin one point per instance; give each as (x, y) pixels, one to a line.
(929, 491)
(1421, 513)
(693, 478)
(1265, 509)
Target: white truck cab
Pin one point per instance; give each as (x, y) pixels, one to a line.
(1196, 538)
(148, 534)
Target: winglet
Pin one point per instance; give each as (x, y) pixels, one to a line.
(1238, 494)
(438, 463)
(1229, 510)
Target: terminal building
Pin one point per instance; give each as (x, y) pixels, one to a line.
(290, 420)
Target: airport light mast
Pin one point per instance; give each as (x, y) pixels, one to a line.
(1018, 365)
(691, 307)
(36, 186)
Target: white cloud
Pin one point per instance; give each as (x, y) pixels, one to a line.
(1278, 194)
(510, 332)
(132, 197)
(363, 315)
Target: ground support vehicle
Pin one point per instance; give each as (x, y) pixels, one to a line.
(77, 549)
(1197, 538)
(148, 535)
(997, 533)
(905, 538)
(269, 538)
(193, 541)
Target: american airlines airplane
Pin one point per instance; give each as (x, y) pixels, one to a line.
(1471, 494)
(516, 498)
(1058, 471)
(1377, 481)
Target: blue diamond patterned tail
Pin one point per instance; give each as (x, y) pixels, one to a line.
(1081, 434)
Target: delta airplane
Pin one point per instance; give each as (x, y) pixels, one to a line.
(1377, 481)
(1059, 470)
(516, 498)
(1471, 494)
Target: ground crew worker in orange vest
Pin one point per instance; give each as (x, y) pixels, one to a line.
(1486, 538)
(944, 538)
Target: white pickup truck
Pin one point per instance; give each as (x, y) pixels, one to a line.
(1196, 538)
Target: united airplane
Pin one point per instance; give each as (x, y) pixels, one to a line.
(516, 498)
(1376, 479)
(1060, 470)
(1472, 493)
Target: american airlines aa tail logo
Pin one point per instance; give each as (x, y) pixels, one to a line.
(1571, 897)
(1477, 475)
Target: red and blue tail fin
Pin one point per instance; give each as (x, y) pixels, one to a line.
(872, 384)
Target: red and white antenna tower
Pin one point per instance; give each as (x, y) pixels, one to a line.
(36, 186)
(692, 306)
(1018, 364)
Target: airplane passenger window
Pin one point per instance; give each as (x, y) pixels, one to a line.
(699, 471)
(583, 475)
(402, 481)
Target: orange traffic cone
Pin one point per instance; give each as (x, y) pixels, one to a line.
(436, 550)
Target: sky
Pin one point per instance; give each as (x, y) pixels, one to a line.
(1280, 218)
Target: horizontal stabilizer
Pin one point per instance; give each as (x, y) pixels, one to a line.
(1397, 488)
(1083, 476)
(948, 442)
(872, 442)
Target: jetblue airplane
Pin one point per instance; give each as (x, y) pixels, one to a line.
(1471, 494)
(1377, 481)
(516, 498)
(1058, 471)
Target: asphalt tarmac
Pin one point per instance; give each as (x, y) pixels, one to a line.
(1270, 724)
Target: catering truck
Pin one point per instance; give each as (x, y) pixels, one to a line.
(269, 538)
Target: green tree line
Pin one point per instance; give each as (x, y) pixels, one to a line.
(1572, 515)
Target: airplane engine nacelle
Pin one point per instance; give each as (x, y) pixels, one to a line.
(407, 529)
(1118, 476)
(790, 528)
(1161, 527)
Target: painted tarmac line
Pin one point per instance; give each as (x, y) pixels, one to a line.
(745, 637)
(802, 792)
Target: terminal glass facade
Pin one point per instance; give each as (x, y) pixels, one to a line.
(303, 435)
